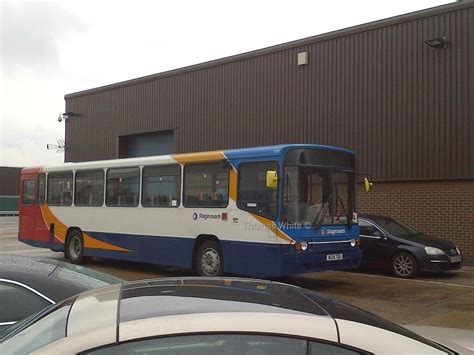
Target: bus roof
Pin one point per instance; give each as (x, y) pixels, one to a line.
(252, 152)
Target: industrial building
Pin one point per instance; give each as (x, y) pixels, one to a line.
(9, 190)
(399, 92)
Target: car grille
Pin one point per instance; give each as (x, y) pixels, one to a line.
(451, 252)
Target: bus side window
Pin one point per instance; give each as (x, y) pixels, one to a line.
(89, 188)
(41, 189)
(123, 186)
(206, 185)
(161, 186)
(253, 195)
(28, 192)
(60, 188)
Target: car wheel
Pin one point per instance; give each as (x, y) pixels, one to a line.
(209, 261)
(75, 247)
(404, 265)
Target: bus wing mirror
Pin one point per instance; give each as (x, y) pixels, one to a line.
(367, 185)
(272, 179)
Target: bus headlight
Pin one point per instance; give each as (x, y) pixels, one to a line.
(353, 242)
(304, 246)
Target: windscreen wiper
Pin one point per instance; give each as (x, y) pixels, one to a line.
(321, 216)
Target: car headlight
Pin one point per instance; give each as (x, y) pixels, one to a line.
(433, 251)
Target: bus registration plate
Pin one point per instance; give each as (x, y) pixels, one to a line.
(333, 257)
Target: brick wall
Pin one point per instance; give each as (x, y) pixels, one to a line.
(439, 208)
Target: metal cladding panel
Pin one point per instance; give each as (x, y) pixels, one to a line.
(9, 181)
(405, 109)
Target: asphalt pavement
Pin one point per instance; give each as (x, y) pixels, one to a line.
(442, 300)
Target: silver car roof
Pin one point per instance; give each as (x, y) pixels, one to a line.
(147, 308)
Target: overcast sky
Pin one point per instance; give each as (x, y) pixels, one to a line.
(49, 49)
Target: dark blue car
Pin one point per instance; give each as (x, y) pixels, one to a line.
(392, 245)
(28, 285)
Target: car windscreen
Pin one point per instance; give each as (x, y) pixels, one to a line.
(82, 276)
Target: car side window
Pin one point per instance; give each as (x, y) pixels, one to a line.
(41, 332)
(210, 344)
(17, 302)
(367, 229)
(316, 348)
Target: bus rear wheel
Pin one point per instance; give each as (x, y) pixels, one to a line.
(209, 261)
(74, 248)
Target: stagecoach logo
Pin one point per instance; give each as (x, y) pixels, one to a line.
(206, 216)
(333, 231)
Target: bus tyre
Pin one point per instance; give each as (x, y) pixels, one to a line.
(75, 247)
(209, 261)
(404, 265)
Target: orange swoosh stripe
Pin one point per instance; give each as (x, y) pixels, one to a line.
(198, 157)
(60, 231)
(233, 184)
(273, 227)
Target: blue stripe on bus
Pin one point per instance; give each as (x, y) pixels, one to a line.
(242, 258)
(273, 152)
(276, 151)
(43, 244)
(172, 251)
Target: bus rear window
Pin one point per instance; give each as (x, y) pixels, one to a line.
(28, 192)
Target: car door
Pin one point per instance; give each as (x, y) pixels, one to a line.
(374, 244)
(18, 301)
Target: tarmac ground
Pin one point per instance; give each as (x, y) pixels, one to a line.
(442, 300)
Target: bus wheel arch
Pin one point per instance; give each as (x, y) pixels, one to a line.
(208, 259)
(74, 245)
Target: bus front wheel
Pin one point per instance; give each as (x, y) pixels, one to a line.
(74, 248)
(209, 261)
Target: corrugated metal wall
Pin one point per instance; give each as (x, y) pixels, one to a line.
(407, 110)
(9, 181)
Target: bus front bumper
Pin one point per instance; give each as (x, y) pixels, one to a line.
(313, 260)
